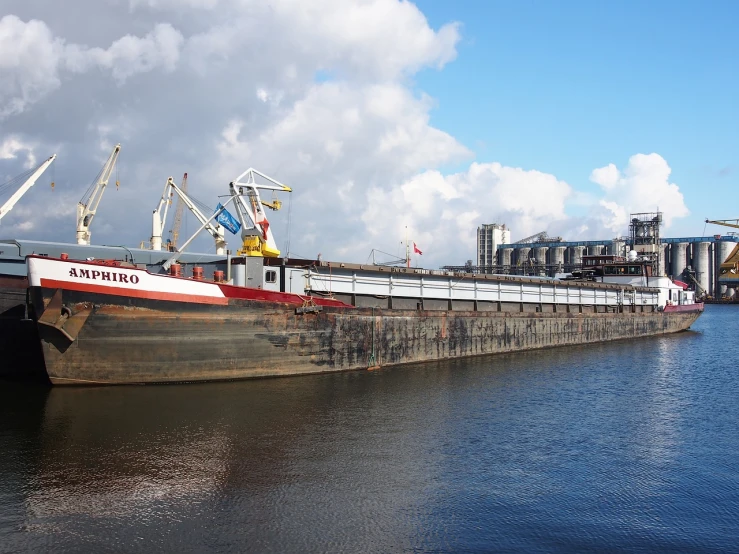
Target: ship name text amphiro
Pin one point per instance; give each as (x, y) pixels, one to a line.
(95, 274)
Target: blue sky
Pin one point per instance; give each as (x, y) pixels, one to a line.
(565, 87)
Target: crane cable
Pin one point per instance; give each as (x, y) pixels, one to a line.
(15, 182)
(88, 193)
(18, 180)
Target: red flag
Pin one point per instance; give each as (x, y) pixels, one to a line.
(259, 219)
(416, 250)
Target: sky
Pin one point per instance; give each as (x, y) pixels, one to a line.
(390, 120)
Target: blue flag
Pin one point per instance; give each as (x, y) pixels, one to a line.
(227, 220)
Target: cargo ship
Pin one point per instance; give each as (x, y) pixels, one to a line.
(19, 342)
(18, 336)
(19, 347)
(109, 322)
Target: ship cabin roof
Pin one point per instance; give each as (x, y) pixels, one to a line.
(616, 265)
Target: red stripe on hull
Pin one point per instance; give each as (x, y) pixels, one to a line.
(697, 307)
(134, 293)
(246, 293)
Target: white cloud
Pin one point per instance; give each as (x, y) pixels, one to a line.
(443, 212)
(607, 177)
(174, 4)
(376, 132)
(369, 34)
(12, 146)
(643, 186)
(612, 216)
(29, 56)
(129, 55)
(369, 40)
(31, 59)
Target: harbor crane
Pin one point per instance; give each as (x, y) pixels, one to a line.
(87, 207)
(160, 216)
(256, 235)
(27, 184)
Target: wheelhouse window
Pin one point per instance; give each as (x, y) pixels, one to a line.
(270, 276)
(622, 270)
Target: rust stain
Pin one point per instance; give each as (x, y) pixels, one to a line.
(126, 344)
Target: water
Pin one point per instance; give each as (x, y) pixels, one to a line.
(628, 446)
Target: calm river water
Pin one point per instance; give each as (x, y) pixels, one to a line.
(629, 446)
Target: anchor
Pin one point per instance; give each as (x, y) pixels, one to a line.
(60, 317)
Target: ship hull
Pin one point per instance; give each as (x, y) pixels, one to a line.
(19, 340)
(136, 341)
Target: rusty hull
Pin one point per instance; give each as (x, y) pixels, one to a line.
(171, 342)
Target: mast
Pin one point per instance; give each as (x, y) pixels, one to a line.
(407, 249)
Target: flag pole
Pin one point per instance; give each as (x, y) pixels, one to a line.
(407, 250)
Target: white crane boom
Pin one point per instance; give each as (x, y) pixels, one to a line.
(159, 217)
(216, 230)
(87, 207)
(5, 208)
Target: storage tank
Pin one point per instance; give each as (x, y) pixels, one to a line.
(522, 255)
(677, 253)
(700, 262)
(558, 257)
(576, 255)
(722, 251)
(725, 248)
(540, 253)
(506, 255)
(615, 248)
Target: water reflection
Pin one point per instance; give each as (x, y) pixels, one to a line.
(275, 449)
(567, 448)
